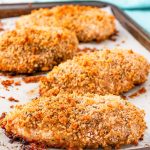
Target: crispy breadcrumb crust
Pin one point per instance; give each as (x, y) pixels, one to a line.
(72, 121)
(100, 72)
(89, 23)
(36, 48)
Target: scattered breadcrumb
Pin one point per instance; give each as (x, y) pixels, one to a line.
(2, 97)
(137, 93)
(134, 95)
(12, 99)
(123, 41)
(142, 90)
(12, 106)
(117, 44)
(7, 83)
(17, 83)
(32, 79)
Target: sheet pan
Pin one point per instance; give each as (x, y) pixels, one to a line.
(26, 92)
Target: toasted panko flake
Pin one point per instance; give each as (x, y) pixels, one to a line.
(72, 121)
(32, 49)
(100, 72)
(89, 23)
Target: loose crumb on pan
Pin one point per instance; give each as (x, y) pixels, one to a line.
(2, 97)
(7, 83)
(17, 83)
(137, 93)
(12, 106)
(142, 90)
(12, 99)
(32, 79)
(118, 45)
(123, 41)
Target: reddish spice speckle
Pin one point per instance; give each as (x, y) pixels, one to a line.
(11, 99)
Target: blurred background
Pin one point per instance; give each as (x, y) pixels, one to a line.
(139, 10)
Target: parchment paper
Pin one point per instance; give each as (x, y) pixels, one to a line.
(26, 92)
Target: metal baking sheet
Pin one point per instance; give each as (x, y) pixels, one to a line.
(27, 91)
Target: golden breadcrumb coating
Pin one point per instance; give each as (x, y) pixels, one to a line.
(72, 121)
(36, 48)
(89, 23)
(100, 72)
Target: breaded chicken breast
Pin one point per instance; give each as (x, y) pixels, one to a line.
(89, 23)
(32, 49)
(72, 121)
(100, 72)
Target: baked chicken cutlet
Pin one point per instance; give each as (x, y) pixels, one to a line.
(100, 72)
(72, 121)
(89, 23)
(32, 49)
